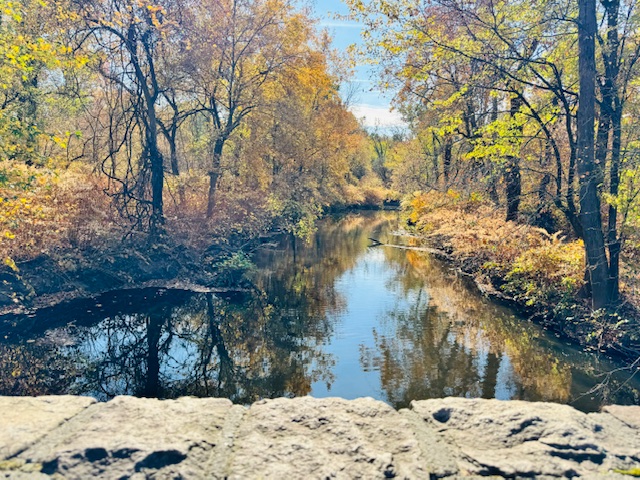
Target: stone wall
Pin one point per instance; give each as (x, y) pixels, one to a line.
(76, 437)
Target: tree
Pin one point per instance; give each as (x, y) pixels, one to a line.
(619, 53)
(33, 52)
(590, 215)
(248, 42)
(451, 53)
(307, 141)
(448, 54)
(127, 37)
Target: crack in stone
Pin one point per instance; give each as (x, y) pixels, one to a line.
(222, 454)
(51, 431)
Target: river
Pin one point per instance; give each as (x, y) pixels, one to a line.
(331, 316)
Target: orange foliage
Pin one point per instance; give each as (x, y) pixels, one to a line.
(531, 263)
(41, 210)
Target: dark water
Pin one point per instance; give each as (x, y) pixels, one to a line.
(332, 317)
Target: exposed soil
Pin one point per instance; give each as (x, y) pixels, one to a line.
(60, 276)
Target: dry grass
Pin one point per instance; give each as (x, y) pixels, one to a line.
(43, 210)
(475, 230)
(524, 261)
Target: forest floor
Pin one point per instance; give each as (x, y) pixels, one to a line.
(538, 273)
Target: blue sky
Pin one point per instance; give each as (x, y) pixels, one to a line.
(368, 103)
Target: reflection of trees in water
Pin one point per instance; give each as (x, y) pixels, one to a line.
(457, 343)
(306, 281)
(31, 370)
(262, 345)
(425, 358)
(208, 347)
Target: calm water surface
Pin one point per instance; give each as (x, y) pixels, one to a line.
(330, 317)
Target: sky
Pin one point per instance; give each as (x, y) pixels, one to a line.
(369, 104)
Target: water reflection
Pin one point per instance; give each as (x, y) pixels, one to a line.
(331, 316)
(205, 346)
(453, 342)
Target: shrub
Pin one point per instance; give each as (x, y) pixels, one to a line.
(233, 268)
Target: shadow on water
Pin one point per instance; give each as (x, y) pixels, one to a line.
(335, 317)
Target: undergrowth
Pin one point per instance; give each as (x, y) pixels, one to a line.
(43, 209)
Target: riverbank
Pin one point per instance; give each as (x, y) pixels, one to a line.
(75, 437)
(539, 274)
(63, 238)
(64, 275)
(62, 241)
(330, 316)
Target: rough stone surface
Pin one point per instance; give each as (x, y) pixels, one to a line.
(628, 415)
(531, 439)
(75, 437)
(441, 458)
(328, 438)
(24, 420)
(137, 438)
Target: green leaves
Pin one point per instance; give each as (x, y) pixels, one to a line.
(31, 51)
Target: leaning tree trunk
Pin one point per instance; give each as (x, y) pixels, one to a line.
(590, 217)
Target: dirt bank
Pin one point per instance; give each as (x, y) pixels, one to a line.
(63, 275)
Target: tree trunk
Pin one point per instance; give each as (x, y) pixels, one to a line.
(446, 163)
(29, 117)
(614, 104)
(513, 188)
(512, 176)
(571, 211)
(173, 153)
(542, 190)
(214, 175)
(613, 240)
(589, 201)
(493, 184)
(157, 172)
(490, 164)
(436, 158)
(602, 138)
